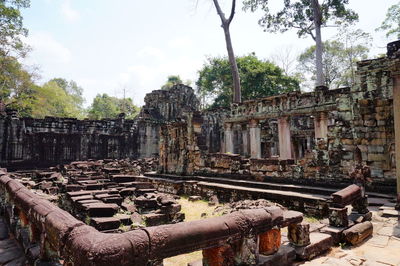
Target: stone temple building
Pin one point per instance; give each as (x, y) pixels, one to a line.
(308, 137)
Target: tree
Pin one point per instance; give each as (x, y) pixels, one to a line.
(11, 27)
(52, 100)
(391, 24)
(356, 45)
(73, 90)
(105, 106)
(171, 81)
(16, 86)
(308, 17)
(259, 79)
(237, 94)
(339, 61)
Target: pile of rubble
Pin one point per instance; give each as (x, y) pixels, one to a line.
(106, 194)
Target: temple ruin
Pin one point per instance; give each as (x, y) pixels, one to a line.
(301, 150)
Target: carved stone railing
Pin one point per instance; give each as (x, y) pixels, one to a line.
(293, 103)
(60, 236)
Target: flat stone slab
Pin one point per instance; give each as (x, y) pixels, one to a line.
(335, 232)
(101, 209)
(102, 224)
(379, 241)
(319, 244)
(11, 253)
(285, 256)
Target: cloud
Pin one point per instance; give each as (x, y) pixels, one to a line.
(150, 51)
(182, 42)
(68, 12)
(45, 46)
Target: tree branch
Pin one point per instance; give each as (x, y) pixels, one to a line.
(220, 13)
(232, 12)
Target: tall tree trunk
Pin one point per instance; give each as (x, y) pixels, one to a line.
(237, 93)
(318, 43)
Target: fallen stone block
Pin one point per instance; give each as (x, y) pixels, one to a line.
(102, 224)
(100, 209)
(358, 233)
(153, 219)
(319, 243)
(360, 218)
(284, 257)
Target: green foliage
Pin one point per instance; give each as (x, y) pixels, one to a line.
(73, 90)
(258, 78)
(391, 24)
(105, 106)
(16, 85)
(52, 100)
(11, 27)
(339, 58)
(299, 15)
(171, 81)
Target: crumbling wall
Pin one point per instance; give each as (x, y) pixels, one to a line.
(330, 131)
(162, 106)
(34, 142)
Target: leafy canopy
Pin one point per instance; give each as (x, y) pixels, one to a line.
(391, 24)
(259, 78)
(11, 27)
(339, 61)
(105, 106)
(298, 14)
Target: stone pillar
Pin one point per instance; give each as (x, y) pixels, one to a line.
(321, 126)
(396, 114)
(285, 142)
(255, 139)
(228, 138)
(245, 138)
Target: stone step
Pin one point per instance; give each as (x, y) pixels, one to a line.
(320, 243)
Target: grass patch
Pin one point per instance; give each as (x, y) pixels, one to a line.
(192, 211)
(310, 219)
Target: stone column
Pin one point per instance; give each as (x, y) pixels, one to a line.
(396, 114)
(285, 142)
(255, 139)
(228, 138)
(245, 138)
(321, 126)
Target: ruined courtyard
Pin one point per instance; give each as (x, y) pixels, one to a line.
(298, 178)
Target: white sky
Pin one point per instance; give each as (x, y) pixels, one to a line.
(106, 46)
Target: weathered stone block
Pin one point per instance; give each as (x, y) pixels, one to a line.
(358, 233)
(338, 217)
(319, 243)
(299, 234)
